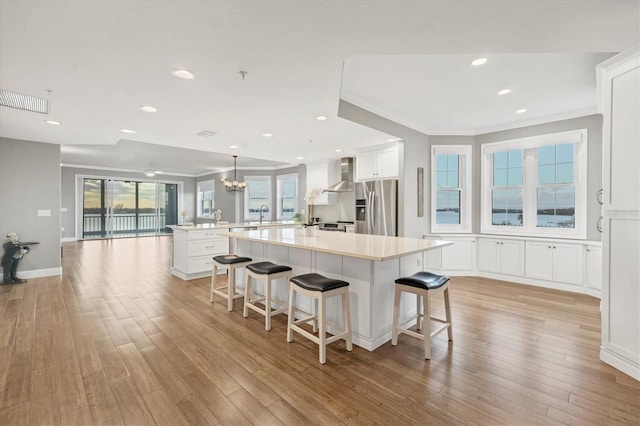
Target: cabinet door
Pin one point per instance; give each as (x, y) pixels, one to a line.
(593, 278)
(567, 263)
(318, 176)
(460, 256)
(512, 257)
(539, 260)
(387, 163)
(366, 166)
(488, 255)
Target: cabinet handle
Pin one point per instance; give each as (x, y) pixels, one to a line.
(599, 195)
(588, 250)
(548, 246)
(599, 224)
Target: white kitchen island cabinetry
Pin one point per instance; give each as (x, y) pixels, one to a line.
(379, 164)
(194, 249)
(501, 256)
(370, 263)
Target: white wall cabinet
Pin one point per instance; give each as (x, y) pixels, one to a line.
(619, 103)
(552, 261)
(320, 176)
(193, 252)
(501, 256)
(380, 164)
(593, 268)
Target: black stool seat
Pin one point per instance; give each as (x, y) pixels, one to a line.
(424, 280)
(317, 282)
(267, 268)
(230, 259)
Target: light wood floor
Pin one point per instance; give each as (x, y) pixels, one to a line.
(116, 339)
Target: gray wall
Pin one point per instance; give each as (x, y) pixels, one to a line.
(68, 184)
(232, 203)
(413, 154)
(593, 124)
(30, 181)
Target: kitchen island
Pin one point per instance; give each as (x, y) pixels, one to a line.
(194, 246)
(370, 263)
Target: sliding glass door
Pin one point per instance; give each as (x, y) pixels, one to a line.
(113, 207)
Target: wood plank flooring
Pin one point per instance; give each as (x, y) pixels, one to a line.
(117, 340)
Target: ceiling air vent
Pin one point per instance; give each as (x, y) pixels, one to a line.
(23, 102)
(206, 133)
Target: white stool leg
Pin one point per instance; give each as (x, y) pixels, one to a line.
(426, 326)
(396, 314)
(322, 329)
(267, 303)
(447, 310)
(292, 299)
(346, 311)
(248, 293)
(213, 280)
(231, 287)
(419, 318)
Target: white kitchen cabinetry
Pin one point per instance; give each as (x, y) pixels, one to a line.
(380, 164)
(619, 103)
(193, 252)
(593, 269)
(455, 259)
(551, 261)
(321, 176)
(501, 256)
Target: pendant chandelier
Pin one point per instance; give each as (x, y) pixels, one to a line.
(234, 185)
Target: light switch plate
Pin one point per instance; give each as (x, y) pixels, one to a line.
(44, 212)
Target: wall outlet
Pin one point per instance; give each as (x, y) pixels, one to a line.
(44, 212)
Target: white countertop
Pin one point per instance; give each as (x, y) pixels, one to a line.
(201, 226)
(371, 247)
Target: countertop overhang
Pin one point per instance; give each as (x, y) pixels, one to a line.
(362, 246)
(209, 226)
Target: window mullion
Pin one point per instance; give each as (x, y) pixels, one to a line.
(529, 188)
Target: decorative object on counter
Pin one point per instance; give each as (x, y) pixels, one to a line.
(297, 217)
(311, 198)
(218, 215)
(184, 216)
(14, 250)
(420, 192)
(310, 229)
(234, 185)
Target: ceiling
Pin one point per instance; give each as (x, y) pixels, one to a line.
(98, 61)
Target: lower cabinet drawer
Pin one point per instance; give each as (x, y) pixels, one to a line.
(216, 246)
(200, 264)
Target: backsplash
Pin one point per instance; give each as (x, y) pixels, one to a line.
(343, 209)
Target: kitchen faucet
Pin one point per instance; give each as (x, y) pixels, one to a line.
(266, 209)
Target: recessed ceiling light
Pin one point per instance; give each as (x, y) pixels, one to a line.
(183, 74)
(321, 117)
(504, 91)
(338, 150)
(299, 158)
(267, 135)
(127, 131)
(521, 111)
(53, 122)
(148, 108)
(479, 61)
(234, 146)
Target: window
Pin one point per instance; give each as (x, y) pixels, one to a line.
(205, 198)
(536, 186)
(451, 193)
(256, 195)
(287, 198)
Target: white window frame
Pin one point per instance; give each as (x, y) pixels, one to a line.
(464, 182)
(530, 183)
(201, 188)
(279, 180)
(247, 191)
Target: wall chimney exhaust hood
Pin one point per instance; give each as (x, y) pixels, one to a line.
(346, 171)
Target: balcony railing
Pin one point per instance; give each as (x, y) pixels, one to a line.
(124, 223)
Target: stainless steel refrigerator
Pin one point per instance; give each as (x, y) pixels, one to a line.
(377, 207)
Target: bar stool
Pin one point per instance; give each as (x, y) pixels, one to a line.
(319, 288)
(425, 285)
(269, 272)
(230, 262)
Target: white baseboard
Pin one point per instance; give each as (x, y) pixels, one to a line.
(68, 239)
(626, 366)
(38, 273)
